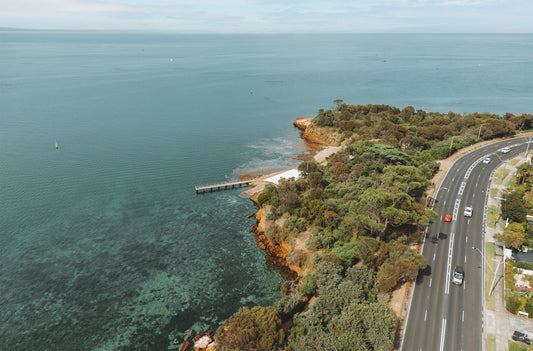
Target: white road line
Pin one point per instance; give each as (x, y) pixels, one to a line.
(456, 208)
(430, 280)
(463, 315)
(444, 203)
(462, 188)
(467, 239)
(434, 254)
(442, 334)
(465, 259)
(426, 315)
(449, 265)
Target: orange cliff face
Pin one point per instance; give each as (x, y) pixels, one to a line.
(323, 136)
(276, 253)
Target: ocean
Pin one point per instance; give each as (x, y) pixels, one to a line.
(104, 244)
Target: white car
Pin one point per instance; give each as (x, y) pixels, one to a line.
(458, 275)
(486, 160)
(468, 211)
(505, 150)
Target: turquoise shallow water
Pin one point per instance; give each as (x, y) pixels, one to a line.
(104, 244)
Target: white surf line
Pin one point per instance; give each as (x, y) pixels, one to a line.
(449, 265)
(462, 188)
(456, 209)
(442, 334)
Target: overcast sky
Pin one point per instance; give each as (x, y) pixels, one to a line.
(273, 16)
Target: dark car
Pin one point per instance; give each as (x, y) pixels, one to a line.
(517, 336)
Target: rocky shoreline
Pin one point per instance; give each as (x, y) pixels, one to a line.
(277, 252)
(323, 145)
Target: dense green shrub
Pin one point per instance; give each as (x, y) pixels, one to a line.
(266, 195)
(524, 265)
(308, 286)
(513, 304)
(287, 306)
(293, 224)
(258, 328)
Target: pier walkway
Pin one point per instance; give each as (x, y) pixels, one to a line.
(224, 186)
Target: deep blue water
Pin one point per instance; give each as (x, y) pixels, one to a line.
(104, 244)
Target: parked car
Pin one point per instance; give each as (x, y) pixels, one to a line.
(486, 160)
(468, 211)
(505, 150)
(518, 336)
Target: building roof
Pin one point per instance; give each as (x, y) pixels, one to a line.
(291, 173)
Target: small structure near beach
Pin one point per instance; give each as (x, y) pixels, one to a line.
(291, 173)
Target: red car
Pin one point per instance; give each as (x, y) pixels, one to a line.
(447, 218)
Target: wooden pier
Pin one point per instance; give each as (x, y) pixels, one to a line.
(225, 186)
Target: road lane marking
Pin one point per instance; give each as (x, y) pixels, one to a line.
(467, 239)
(469, 170)
(449, 265)
(434, 254)
(456, 208)
(430, 280)
(462, 188)
(442, 334)
(426, 315)
(463, 315)
(465, 259)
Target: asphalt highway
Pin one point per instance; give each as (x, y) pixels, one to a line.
(443, 315)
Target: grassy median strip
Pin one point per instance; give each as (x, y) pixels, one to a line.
(490, 252)
(491, 342)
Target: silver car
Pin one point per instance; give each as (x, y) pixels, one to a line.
(468, 211)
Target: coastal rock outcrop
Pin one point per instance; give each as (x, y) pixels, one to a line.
(276, 252)
(204, 342)
(311, 133)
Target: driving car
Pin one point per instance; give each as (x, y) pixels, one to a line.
(486, 160)
(447, 218)
(468, 211)
(505, 150)
(458, 275)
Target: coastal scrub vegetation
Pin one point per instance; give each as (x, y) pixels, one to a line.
(363, 215)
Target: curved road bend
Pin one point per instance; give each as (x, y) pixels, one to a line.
(442, 315)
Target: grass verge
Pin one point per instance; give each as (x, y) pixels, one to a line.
(490, 252)
(500, 175)
(491, 342)
(491, 221)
